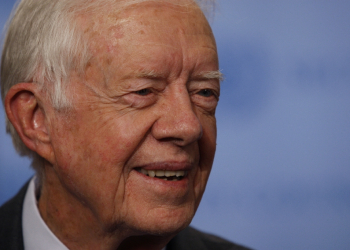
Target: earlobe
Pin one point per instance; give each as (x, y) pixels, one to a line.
(27, 116)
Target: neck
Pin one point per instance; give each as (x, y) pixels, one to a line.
(75, 225)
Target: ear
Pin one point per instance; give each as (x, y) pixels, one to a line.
(23, 109)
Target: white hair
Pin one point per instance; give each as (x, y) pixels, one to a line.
(44, 45)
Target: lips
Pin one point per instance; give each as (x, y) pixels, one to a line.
(168, 175)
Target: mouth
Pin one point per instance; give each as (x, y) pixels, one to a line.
(165, 175)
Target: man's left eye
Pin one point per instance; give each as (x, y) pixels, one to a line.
(143, 92)
(205, 92)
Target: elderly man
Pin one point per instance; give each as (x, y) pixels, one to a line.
(115, 103)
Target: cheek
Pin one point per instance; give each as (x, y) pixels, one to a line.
(207, 147)
(95, 151)
(91, 174)
(208, 141)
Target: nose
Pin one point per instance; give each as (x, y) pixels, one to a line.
(178, 121)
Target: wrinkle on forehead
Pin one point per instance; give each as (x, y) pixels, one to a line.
(109, 31)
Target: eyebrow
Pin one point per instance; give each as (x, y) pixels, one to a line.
(149, 74)
(216, 75)
(207, 75)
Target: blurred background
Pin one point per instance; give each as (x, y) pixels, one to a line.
(281, 177)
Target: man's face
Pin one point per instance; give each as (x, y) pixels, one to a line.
(146, 107)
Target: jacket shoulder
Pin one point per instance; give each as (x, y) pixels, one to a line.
(191, 238)
(11, 237)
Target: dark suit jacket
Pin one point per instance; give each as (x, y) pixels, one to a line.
(11, 237)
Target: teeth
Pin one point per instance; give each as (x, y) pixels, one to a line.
(169, 173)
(180, 173)
(151, 173)
(162, 173)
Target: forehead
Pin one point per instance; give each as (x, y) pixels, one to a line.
(151, 20)
(165, 16)
(169, 31)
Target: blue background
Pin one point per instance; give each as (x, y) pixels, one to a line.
(281, 177)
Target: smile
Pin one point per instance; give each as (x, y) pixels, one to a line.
(164, 174)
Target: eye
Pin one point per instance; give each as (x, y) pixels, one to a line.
(206, 92)
(143, 92)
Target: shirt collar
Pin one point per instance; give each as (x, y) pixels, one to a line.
(36, 234)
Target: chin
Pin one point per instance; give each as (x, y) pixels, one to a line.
(164, 221)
